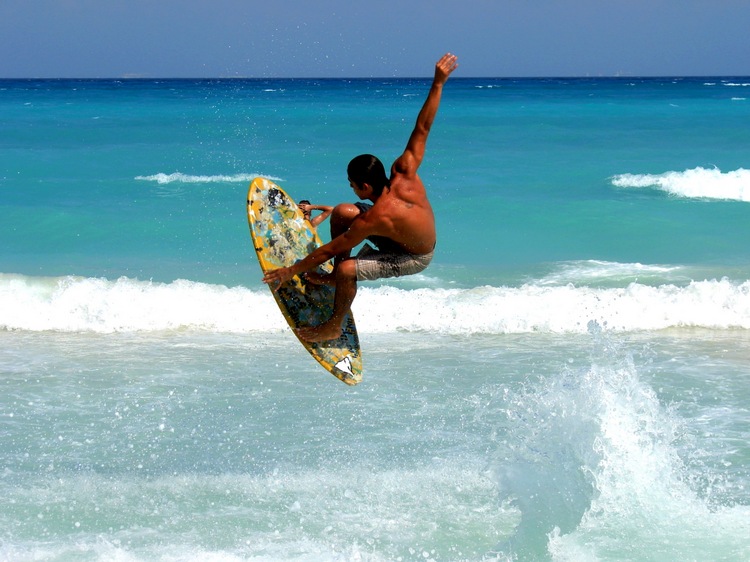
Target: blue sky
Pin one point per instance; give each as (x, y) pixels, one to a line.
(378, 38)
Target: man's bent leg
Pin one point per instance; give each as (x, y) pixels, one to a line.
(346, 290)
(341, 218)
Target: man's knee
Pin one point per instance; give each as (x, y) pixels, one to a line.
(346, 211)
(347, 270)
(342, 217)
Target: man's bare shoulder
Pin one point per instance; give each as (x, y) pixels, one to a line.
(408, 189)
(368, 222)
(405, 166)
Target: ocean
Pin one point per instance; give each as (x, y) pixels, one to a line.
(568, 381)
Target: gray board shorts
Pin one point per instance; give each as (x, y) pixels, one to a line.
(388, 261)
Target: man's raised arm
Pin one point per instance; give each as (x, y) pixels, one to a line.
(412, 157)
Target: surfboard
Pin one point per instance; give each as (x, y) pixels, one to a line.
(281, 236)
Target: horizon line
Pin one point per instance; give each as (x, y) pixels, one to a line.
(454, 78)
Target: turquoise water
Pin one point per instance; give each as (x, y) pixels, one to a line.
(567, 381)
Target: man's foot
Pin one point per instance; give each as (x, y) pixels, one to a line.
(325, 332)
(320, 278)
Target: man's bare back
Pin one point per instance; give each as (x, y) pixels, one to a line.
(401, 216)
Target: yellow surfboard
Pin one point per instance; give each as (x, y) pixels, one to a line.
(281, 237)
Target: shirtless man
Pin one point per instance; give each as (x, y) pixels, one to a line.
(400, 222)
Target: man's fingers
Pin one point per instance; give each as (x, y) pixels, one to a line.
(449, 62)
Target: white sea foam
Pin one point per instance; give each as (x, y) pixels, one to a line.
(696, 183)
(598, 272)
(280, 516)
(177, 177)
(630, 443)
(77, 304)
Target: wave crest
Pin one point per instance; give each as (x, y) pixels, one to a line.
(696, 183)
(177, 177)
(75, 304)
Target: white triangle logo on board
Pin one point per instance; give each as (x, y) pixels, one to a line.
(345, 366)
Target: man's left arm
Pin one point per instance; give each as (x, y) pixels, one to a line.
(358, 231)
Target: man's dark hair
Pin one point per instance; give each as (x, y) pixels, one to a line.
(366, 168)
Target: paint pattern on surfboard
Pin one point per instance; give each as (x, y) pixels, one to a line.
(281, 236)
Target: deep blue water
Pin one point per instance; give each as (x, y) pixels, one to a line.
(567, 381)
